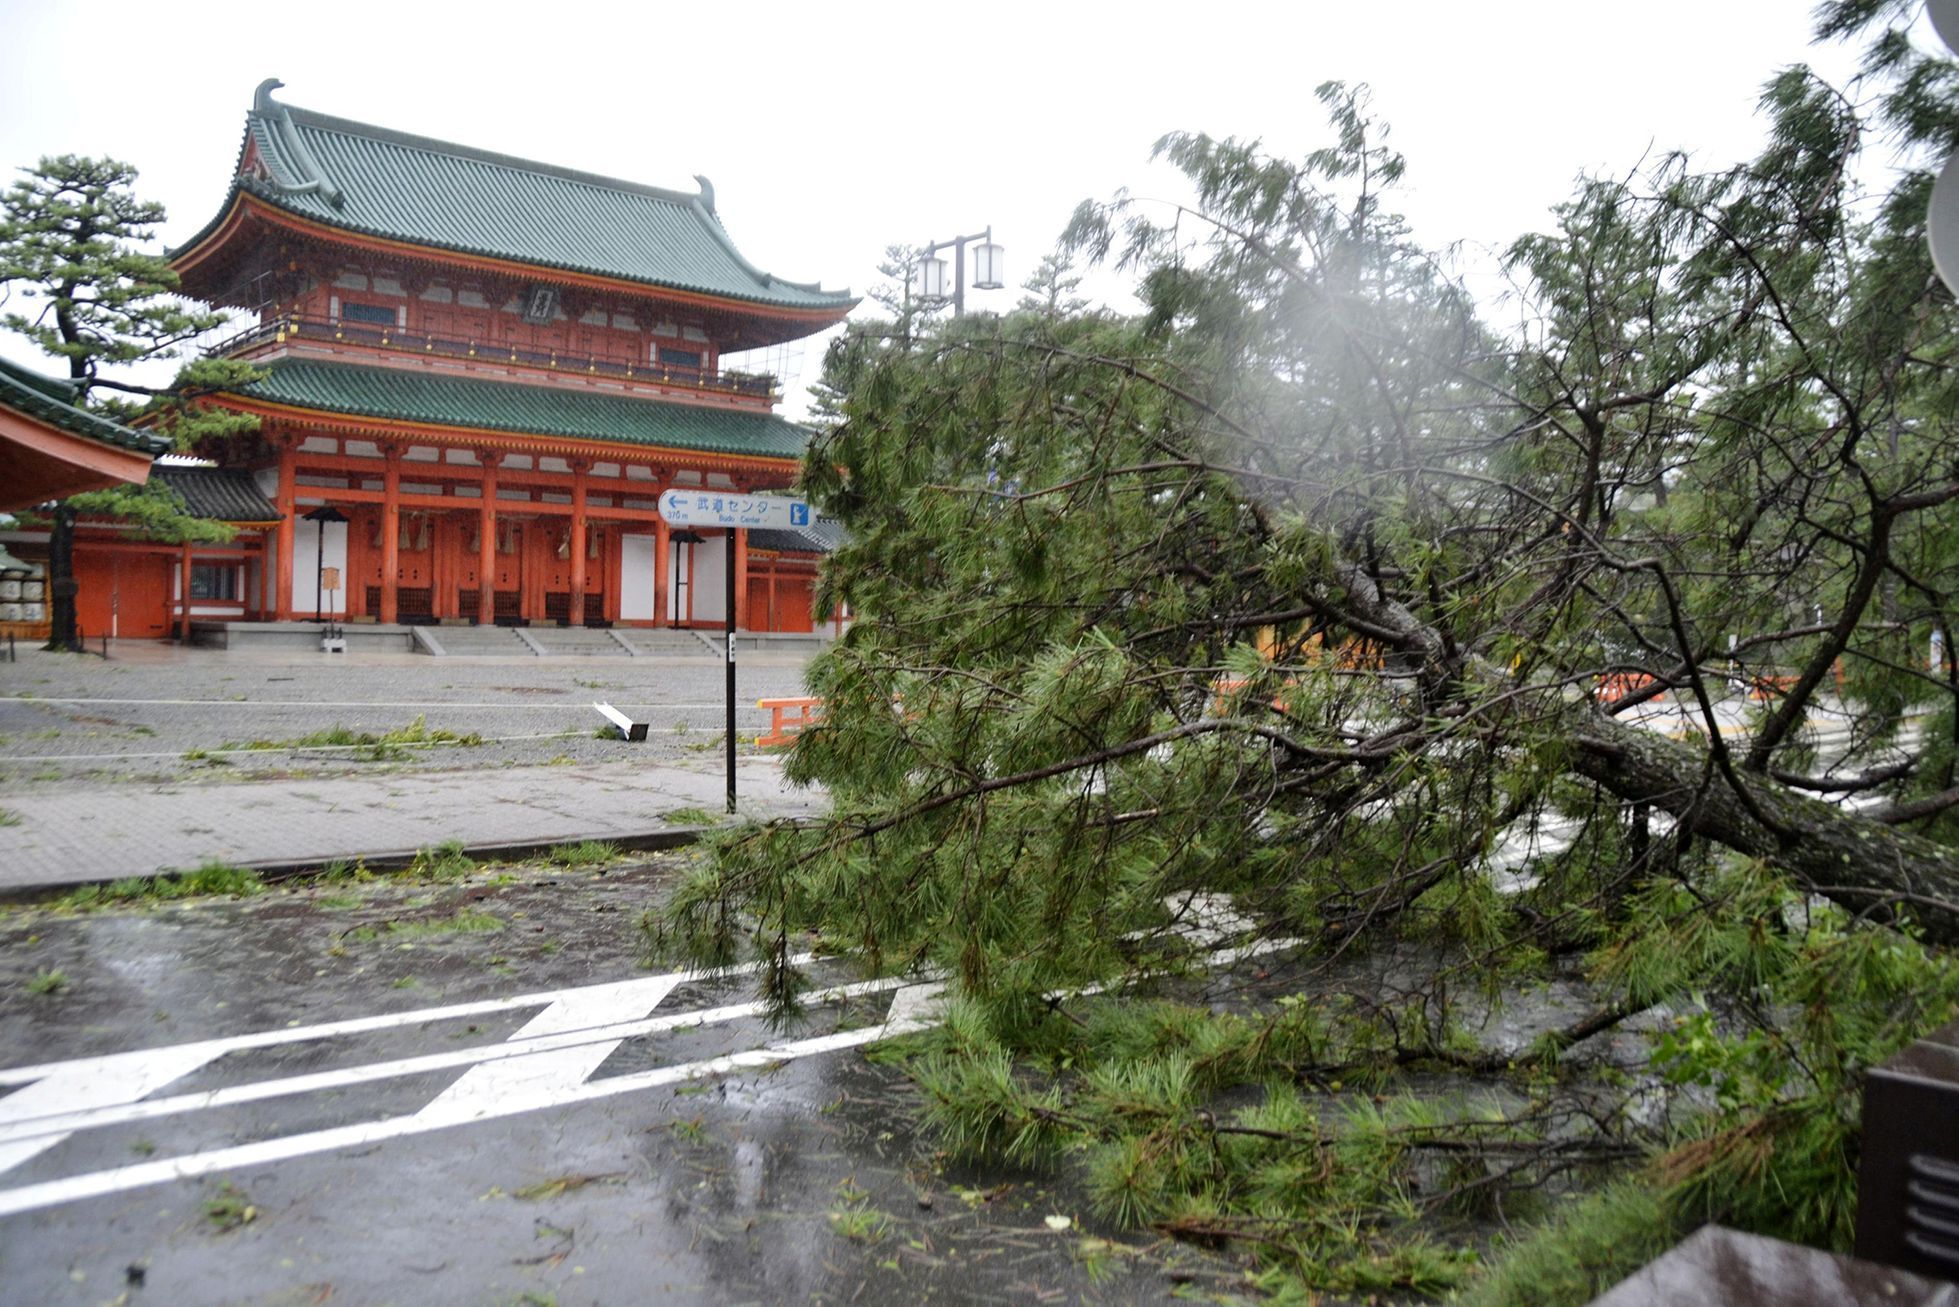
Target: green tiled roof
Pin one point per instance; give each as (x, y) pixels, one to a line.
(415, 396)
(53, 401)
(220, 493)
(820, 537)
(409, 188)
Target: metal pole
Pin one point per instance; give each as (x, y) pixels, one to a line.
(728, 571)
(319, 574)
(959, 277)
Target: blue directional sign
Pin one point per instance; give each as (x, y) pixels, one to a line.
(732, 508)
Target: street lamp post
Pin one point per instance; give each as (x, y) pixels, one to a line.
(987, 268)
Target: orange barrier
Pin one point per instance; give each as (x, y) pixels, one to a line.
(1614, 686)
(1771, 687)
(1224, 687)
(788, 718)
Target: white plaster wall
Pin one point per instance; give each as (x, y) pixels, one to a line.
(709, 579)
(305, 561)
(636, 579)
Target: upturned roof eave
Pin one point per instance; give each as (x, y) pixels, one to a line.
(185, 257)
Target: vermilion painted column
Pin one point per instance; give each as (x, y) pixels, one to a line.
(486, 543)
(183, 599)
(661, 561)
(391, 534)
(741, 579)
(576, 615)
(281, 567)
(442, 585)
(612, 560)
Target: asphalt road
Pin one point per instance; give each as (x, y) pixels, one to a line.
(471, 1091)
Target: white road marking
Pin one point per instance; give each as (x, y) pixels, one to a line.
(111, 1063)
(540, 1078)
(80, 1088)
(96, 1184)
(69, 1119)
(547, 1063)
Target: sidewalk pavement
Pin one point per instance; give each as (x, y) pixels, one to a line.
(93, 834)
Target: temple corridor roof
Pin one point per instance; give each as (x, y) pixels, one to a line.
(221, 494)
(52, 400)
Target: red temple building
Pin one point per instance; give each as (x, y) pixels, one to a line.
(491, 369)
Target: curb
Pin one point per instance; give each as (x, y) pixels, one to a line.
(270, 870)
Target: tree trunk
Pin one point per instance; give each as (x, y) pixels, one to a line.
(62, 637)
(1862, 864)
(1857, 862)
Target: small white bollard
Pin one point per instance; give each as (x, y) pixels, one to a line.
(628, 728)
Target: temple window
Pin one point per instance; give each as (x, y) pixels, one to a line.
(378, 314)
(213, 581)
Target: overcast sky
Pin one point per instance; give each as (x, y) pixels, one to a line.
(833, 130)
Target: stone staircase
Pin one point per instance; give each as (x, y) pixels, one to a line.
(479, 641)
(660, 642)
(576, 642)
(569, 642)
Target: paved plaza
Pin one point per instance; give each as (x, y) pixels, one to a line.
(161, 758)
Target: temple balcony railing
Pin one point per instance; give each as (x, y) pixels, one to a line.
(287, 327)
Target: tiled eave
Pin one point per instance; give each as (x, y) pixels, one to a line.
(427, 433)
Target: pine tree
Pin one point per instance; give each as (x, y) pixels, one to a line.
(72, 246)
(1310, 594)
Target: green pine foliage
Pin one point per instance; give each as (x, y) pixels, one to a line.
(1286, 609)
(83, 281)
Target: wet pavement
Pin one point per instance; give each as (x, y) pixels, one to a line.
(155, 713)
(163, 758)
(790, 1170)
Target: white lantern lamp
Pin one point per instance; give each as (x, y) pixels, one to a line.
(988, 267)
(931, 278)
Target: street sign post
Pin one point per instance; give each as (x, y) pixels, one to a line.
(732, 511)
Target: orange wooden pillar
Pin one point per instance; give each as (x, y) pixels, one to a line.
(662, 548)
(280, 600)
(741, 579)
(442, 565)
(183, 598)
(486, 542)
(612, 563)
(391, 534)
(575, 616)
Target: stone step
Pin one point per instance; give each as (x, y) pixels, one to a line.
(464, 641)
(577, 641)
